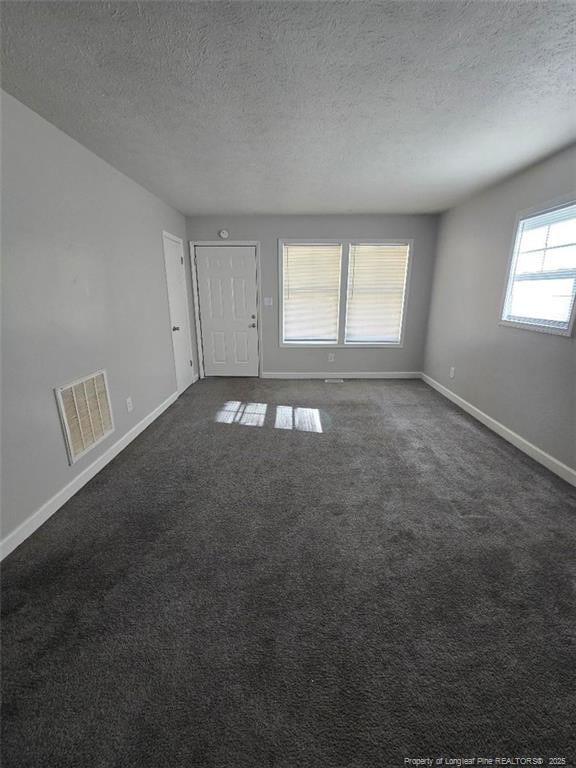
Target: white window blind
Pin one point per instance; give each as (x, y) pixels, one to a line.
(311, 292)
(542, 282)
(376, 288)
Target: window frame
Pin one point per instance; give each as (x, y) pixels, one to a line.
(511, 265)
(343, 299)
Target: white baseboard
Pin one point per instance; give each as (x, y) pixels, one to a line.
(39, 517)
(554, 465)
(348, 375)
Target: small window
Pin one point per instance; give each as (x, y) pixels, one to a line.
(343, 294)
(541, 287)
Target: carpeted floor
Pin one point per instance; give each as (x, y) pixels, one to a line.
(229, 595)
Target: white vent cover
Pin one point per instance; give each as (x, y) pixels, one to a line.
(85, 413)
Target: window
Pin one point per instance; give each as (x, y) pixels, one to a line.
(343, 294)
(542, 282)
(376, 281)
(311, 275)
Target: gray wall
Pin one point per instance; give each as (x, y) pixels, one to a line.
(84, 288)
(268, 229)
(522, 378)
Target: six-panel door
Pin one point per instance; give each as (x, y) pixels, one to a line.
(179, 313)
(228, 309)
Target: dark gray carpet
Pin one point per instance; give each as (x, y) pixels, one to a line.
(228, 596)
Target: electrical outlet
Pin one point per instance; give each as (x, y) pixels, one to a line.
(331, 357)
(452, 371)
(129, 404)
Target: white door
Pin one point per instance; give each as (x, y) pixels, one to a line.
(179, 313)
(227, 298)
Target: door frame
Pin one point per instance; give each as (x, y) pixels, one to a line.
(179, 241)
(198, 320)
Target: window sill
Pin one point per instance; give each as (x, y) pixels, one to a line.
(328, 345)
(566, 332)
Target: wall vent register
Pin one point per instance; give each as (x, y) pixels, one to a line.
(85, 413)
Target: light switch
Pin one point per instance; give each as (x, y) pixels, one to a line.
(268, 301)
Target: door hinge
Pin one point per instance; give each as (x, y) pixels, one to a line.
(181, 259)
(191, 363)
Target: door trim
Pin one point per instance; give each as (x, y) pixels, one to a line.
(259, 304)
(179, 241)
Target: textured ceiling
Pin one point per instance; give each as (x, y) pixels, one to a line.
(314, 107)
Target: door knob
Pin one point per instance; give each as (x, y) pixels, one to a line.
(252, 325)
(175, 327)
